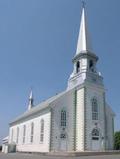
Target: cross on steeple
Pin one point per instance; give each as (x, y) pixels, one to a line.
(83, 4)
(84, 43)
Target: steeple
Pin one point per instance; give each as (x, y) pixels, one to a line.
(83, 44)
(84, 60)
(31, 100)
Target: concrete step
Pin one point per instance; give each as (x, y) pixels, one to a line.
(74, 154)
(86, 153)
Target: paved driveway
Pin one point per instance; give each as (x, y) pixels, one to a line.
(32, 156)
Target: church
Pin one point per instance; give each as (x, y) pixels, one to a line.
(77, 119)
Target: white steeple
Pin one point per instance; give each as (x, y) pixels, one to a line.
(31, 100)
(83, 44)
(85, 60)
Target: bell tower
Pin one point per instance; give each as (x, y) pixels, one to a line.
(85, 60)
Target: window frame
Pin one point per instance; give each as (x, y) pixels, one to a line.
(77, 66)
(63, 118)
(32, 133)
(12, 134)
(95, 134)
(42, 127)
(17, 136)
(91, 65)
(95, 110)
(24, 133)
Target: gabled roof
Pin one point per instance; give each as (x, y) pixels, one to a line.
(110, 109)
(39, 107)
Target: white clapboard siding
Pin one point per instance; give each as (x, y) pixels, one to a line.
(80, 120)
(36, 145)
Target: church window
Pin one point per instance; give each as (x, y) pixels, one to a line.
(91, 66)
(63, 136)
(12, 134)
(95, 134)
(24, 133)
(32, 132)
(63, 118)
(41, 130)
(94, 109)
(77, 67)
(17, 135)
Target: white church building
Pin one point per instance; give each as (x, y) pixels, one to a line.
(78, 119)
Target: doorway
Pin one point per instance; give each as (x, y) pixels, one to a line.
(63, 142)
(96, 140)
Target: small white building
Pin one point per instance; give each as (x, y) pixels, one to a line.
(5, 145)
(78, 119)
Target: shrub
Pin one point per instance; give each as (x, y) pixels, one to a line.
(0, 148)
(117, 140)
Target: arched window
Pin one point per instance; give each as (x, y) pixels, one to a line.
(63, 136)
(94, 109)
(12, 134)
(91, 65)
(32, 132)
(17, 138)
(77, 67)
(95, 134)
(63, 118)
(24, 133)
(41, 130)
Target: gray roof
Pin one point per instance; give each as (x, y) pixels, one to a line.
(39, 107)
(6, 138)
(110, 109)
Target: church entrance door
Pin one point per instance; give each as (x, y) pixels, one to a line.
(95, 145)
(95, 140)
(63, 142)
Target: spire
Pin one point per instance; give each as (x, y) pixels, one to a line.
(83, 44)
(31, 100)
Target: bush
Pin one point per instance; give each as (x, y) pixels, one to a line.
(0, 148)
(117, 140)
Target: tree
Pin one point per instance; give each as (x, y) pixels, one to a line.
(117, 140)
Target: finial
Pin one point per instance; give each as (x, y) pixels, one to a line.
(31, 93)
(31, 100)
(83, 4)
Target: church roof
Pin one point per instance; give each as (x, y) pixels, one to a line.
(84, 42)
(43, 105)
(5, 140)
(109, 108)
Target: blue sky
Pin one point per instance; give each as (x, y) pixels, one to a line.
(38, 40)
